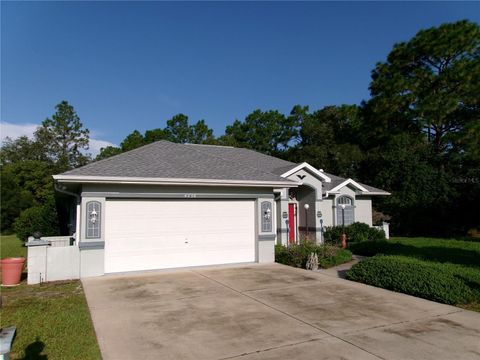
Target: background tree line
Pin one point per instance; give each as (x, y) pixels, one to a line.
(418, 136)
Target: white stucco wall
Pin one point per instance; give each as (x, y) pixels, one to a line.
(325, 206)
(363, 206)
(92, 262)
(363, 210)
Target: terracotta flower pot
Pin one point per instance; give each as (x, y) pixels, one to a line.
(12, 271)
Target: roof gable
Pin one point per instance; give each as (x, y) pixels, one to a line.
(310, 168)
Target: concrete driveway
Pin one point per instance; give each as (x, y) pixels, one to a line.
(270, 312)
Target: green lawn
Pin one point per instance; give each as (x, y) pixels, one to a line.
(448, 257)
(460, 252)
(11, 246)
(52, 319)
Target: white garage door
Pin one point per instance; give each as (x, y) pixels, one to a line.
(158, 234)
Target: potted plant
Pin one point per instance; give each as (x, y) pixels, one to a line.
(12, 270)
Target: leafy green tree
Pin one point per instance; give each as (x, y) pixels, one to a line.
(155, 135)
(430, 83)
(107, 152)
(24, 184)
(329, 139)
(22, 149)
(269, 132)
(421, 132)
(13, 199)
(178, 130)
(201, 133)
(132, 141)
(421, 192)
(28, 165)
(64, 137)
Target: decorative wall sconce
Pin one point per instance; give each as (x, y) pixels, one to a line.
(93, 216)
(268, 214)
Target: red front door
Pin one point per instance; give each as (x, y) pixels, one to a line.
(291, 223)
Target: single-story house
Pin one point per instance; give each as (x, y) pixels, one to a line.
(168, 205)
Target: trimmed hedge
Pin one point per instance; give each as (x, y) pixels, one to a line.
(356, 232)
(411, 276)
(297, 255)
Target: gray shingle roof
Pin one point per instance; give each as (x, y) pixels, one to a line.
(247, 157)
(164, 159)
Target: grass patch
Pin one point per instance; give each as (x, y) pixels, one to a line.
(444, 270)
(52, 321)
(297, 255)
(11, 246)
(459, 252)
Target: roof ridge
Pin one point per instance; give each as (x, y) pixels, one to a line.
(243, 164)
(211, 145)
(95, 162)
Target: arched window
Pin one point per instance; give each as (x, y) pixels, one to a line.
(94, 217)
(267, 215)
(345, 211)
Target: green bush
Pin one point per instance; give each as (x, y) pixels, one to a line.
(414, 277)
(37, 218)
(297, 255)
(332, 234)
(356, 232)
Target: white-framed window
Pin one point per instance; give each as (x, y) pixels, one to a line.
(94, 217)
(345, 211)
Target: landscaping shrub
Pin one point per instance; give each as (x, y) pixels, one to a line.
(37, 218)
(356, 232)
(418, 278)
(297, 255)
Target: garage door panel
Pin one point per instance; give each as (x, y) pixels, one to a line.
(146, 234)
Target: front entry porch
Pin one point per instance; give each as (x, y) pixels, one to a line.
(299, 216)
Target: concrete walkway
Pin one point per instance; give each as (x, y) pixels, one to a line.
(341, 270)
(271, 312)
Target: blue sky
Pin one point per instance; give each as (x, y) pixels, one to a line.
(127, 66)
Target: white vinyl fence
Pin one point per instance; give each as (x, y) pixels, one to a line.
(385, 227)
(52, 258)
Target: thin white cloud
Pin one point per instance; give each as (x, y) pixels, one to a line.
(96, 145)
(14, 131)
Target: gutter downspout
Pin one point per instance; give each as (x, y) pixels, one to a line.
(60, 190)
(77, 197)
